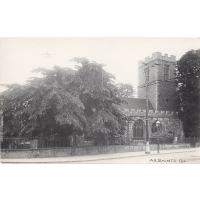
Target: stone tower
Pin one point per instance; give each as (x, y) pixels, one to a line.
(160, 71)
(1, 120)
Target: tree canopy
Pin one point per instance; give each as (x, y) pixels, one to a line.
(44, 106)
(64, 102)
(125, 90)
(188, 92)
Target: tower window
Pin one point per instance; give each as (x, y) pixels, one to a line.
(167, 101)
(146, 72)
(166, 73)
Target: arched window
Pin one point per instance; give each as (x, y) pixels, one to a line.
(156, 126)
(138, 128)
(167, 101)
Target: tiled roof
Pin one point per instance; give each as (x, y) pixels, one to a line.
(135, 103)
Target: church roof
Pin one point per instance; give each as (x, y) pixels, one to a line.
(135, 103)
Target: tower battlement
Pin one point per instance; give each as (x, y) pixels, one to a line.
(160, 67)
(155, 56)
(138, 112)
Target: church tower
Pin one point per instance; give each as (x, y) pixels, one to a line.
(158, 71)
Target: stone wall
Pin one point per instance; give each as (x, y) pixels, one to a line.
(171, 124)
(158, 90)
(80, 151)
(152, 95)
(197, 145)
(166, 90)
(1, 120)
(152, 73)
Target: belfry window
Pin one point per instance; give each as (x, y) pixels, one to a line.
(146, 73)
(167, 101)
(166, 72)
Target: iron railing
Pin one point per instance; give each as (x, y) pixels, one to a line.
(44, 142)
(162, 140)
(152, 140)
(34, 143)
(191, 141)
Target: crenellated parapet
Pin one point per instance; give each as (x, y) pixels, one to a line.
(171, 124)
(151, 113)
(155, 56)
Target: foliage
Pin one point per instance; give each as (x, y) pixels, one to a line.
(44, 106)
(125, 90)
(99, 97)
(64, 102)
(188, 92)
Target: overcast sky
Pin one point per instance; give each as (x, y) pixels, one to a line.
(19, 56)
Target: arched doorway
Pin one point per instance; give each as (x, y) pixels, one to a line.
(138, 129)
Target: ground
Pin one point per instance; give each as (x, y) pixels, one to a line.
(176, 156)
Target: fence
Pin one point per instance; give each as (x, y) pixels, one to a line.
(41, 142)
(162, 140)
(191, 141)
(152, 140)
(34, 143)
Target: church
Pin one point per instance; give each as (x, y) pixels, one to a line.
(156, 88)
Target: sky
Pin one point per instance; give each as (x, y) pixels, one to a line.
(19, 56)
